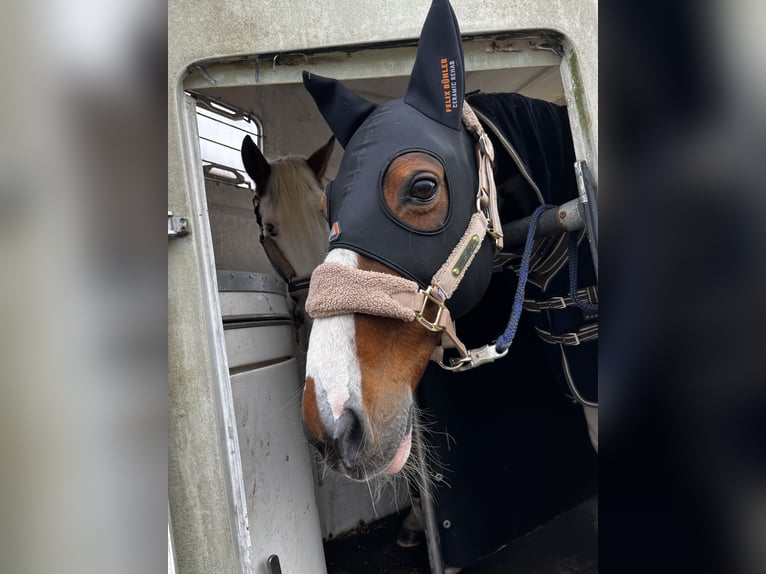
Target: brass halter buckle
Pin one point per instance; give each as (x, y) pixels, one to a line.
(431, 294)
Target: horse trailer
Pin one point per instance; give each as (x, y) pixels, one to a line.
(246, 494)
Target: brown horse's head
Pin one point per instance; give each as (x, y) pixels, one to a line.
(402, 201)
(362, 369)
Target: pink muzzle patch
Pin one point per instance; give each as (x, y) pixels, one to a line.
(402, 453)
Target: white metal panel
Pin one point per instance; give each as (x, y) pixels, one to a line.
(277, 469)
(249, 346)
(248, 303)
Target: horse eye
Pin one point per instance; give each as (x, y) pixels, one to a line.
(423, 190)
(271, 230)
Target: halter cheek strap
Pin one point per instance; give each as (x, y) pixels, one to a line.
(485, 159)
(337, 289)
(278, 259)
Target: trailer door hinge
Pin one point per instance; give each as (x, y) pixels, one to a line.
(177, 226)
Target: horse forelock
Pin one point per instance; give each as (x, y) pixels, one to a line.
(293, 190)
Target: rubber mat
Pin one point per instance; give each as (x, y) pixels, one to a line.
(568, 544)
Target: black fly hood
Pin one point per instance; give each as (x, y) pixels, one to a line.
(428, 119)
(363, 222)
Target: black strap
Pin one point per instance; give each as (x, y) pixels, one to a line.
(589, 294)
(585, 334)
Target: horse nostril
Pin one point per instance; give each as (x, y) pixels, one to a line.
(348, 437)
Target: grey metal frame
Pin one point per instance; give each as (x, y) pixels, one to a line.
(225, 404)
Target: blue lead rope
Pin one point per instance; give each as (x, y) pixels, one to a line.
(504, 341)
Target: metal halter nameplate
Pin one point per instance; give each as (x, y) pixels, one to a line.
(465, 256)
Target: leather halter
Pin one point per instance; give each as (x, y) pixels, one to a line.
(337, 289)
(277, 259)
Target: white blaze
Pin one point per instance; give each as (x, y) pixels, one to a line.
(331, 360)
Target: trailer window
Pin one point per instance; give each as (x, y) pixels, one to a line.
(222, 127)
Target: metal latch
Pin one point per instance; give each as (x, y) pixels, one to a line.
(177, 226)
(475, 358)
(587, 193)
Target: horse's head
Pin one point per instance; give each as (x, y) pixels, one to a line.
(287, 203)
(402, 210)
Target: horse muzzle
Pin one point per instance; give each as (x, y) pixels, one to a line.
(349, 446)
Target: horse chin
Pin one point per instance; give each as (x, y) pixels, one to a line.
(364, 474)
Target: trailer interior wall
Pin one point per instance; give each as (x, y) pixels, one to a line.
(514, 37)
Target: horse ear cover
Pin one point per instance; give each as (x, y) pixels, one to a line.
(427, 119)
(437, 82)
(342, 109)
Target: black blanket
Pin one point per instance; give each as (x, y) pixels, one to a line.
(512, 445)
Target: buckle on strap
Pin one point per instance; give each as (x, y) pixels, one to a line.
(556, 303)
(584, 335)
(476, 357)
(570, 339)
(431, 294)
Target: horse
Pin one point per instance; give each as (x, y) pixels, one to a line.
(287, 206)
(417, 227)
